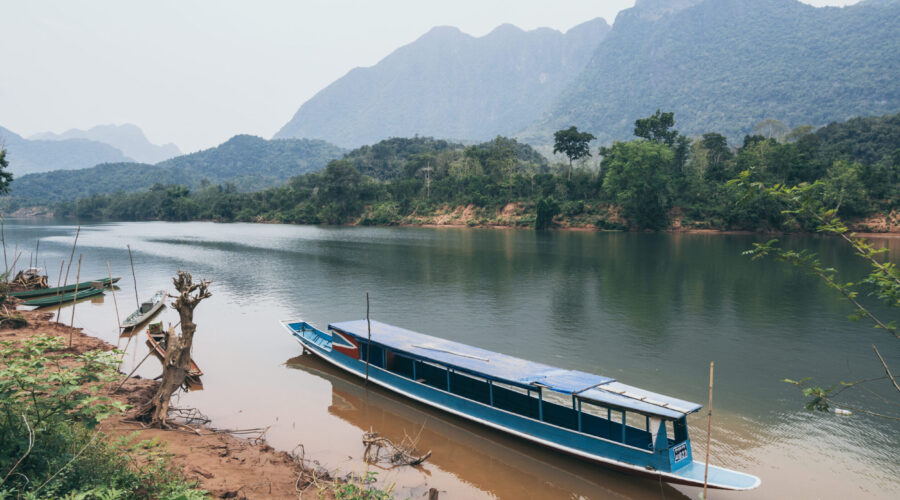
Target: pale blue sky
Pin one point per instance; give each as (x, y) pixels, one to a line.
(198, 72)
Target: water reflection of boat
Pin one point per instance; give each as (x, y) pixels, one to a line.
(588, 416)
(503, 466)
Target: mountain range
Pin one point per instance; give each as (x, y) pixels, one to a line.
(127, 138)
(27, 156)
(249, 163)
(725, 65)
(76, 149)
(451, 85)
(720, 65)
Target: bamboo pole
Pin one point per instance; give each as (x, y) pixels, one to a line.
(368, 344)
(132, 372)
(74, 301)
(708, 430)
(133, 277)
(112, 289)
(68, 268)
(59, 278)
(37, 250)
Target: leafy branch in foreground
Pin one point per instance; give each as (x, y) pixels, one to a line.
(806, 208)
(50, 447)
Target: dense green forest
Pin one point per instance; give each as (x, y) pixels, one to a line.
(246, 161)
(724, 65)
(659, 178)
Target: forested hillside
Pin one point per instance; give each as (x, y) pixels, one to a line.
(249, 163)
(26, 156)
(449, 84)
(725, 65)
(659, 179)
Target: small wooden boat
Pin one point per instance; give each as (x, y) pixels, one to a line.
(591, 417)
(65, 297)
(103, 282)
(157, 342)
(146, 311)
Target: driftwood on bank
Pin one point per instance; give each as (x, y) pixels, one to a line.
(177, 361)
(382, 450)
(29, 279)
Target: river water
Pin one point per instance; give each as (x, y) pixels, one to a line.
(650, 310)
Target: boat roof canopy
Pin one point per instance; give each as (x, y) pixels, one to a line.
(504, 368)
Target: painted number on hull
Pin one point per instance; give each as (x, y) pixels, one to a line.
(681, 452)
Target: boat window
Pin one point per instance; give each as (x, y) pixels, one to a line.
(376, 353)
(636, 420)
(681, 430)
(431, 374)
(470, 387)
(670, 431)
(515, 399)
(399, 364)
(606, 423)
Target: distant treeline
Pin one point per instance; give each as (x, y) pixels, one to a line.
(637, 184)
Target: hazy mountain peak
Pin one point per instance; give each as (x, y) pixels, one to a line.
(506, 29)
(26, 156)
(128, 138)
(654, 9)
(449, 84)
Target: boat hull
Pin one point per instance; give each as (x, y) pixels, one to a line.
(106, 282)
(66, 297)
(628, 459)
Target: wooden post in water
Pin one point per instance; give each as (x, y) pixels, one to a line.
(708, 430)
(369, 343)
(74, 301)
(133, 277)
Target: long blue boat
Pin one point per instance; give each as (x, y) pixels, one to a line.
(592, 417)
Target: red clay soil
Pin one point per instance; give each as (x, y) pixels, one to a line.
(223, 464)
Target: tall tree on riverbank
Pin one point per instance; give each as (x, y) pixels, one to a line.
(637, 178)
(5, 177)
(177, 361)
(573, 144)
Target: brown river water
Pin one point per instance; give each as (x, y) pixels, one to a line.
(651, 310)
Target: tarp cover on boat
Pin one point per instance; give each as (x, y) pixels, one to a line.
(472, 359)
(597, 388)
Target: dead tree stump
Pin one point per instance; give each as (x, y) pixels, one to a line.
(177, 362)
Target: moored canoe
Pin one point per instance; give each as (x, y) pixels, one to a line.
(146, 310)
(40, 292)
(65, 297)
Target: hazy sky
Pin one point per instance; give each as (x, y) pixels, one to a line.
(198, 72)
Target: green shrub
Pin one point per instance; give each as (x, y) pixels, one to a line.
(50, 404)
